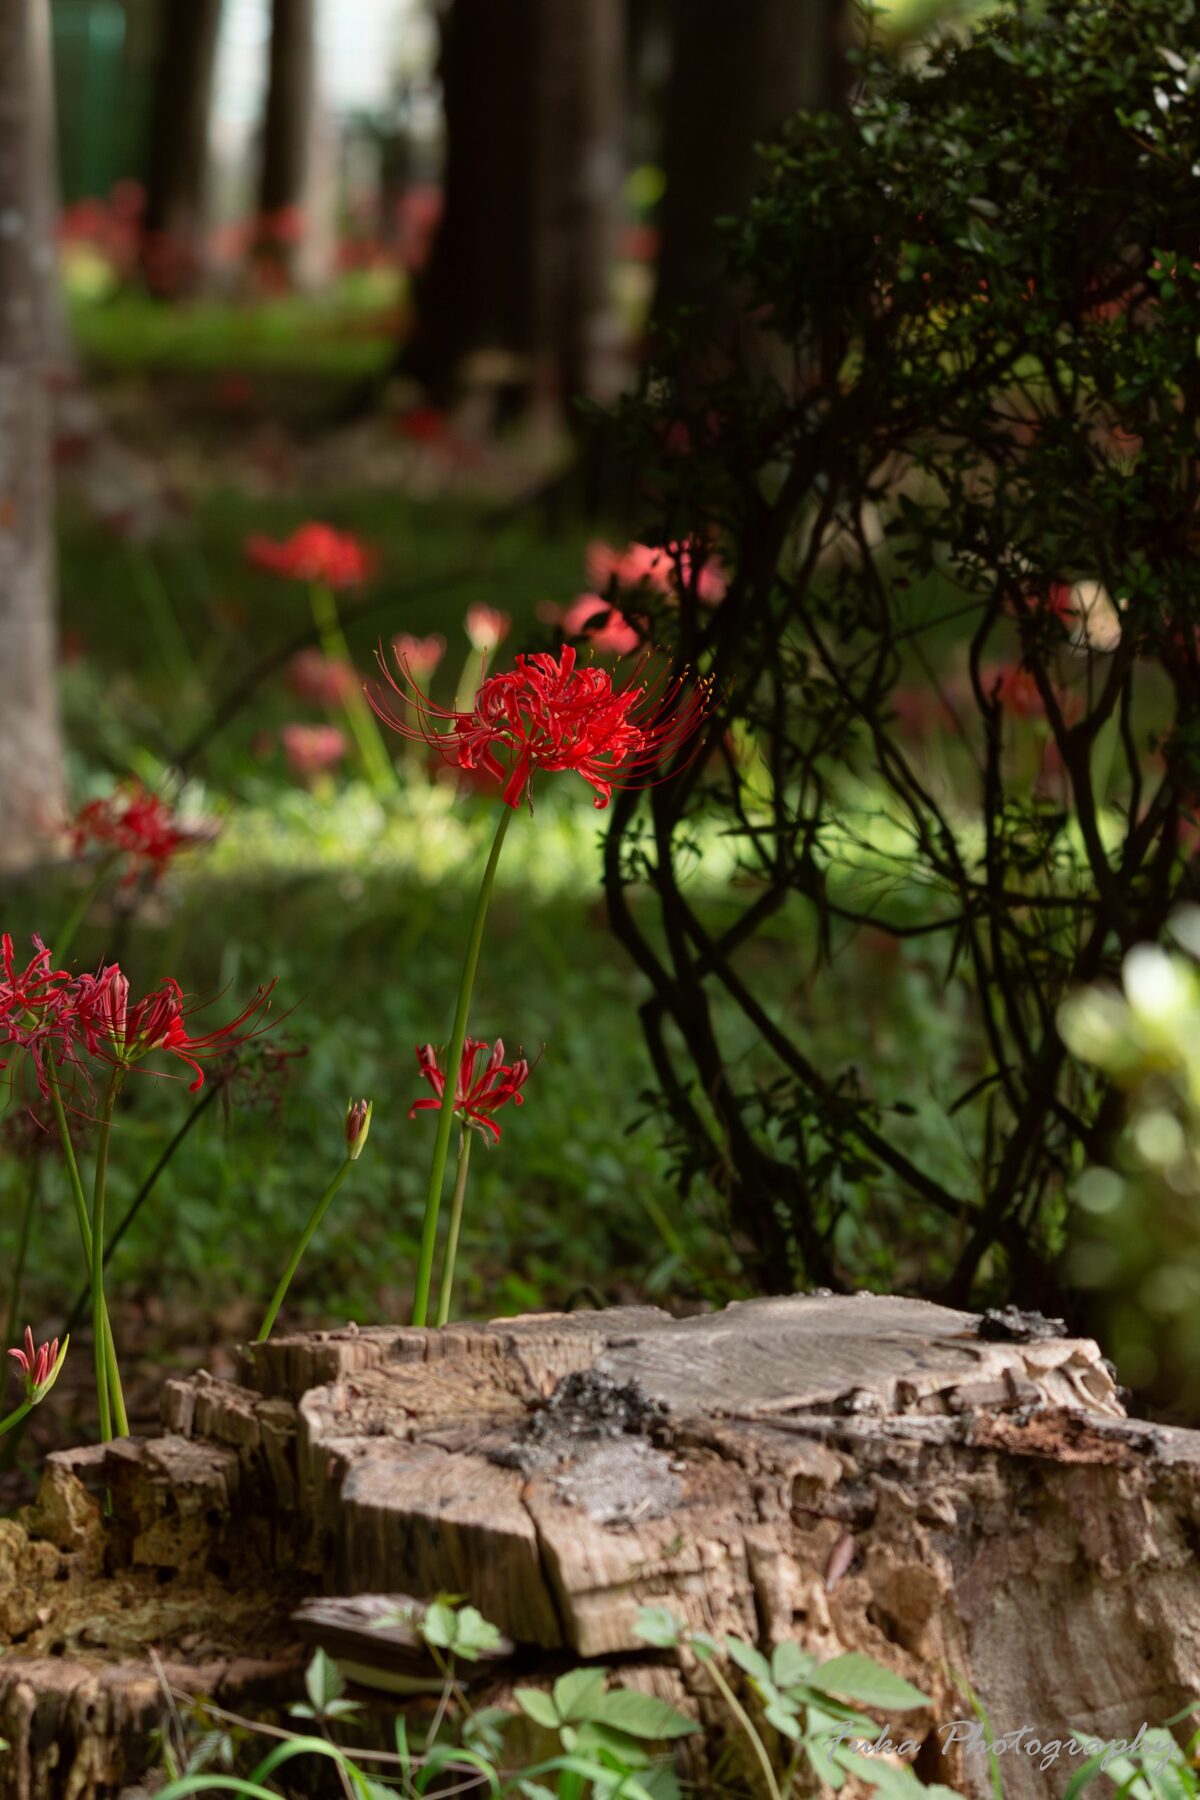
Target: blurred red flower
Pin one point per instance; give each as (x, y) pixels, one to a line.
(664, 568)
(319, 679)
(477, 1095)
(314, 553)
(548, 714)
(420, 656)
(311, 749)
(136, 823)
(486, 627)
(605, 626)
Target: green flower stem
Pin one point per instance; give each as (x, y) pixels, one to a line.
(470, 679)
(454, 1050)
(85, 1233)
(285, 1280)
(14, 1418)
(99, 1310)
(456, 1210)
(83, 906)
(743, 1718)
(14, 1298)
(376, 761)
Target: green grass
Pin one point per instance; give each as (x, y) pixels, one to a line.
(346, 332)
(359, 911)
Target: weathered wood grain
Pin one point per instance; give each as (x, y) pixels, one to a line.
(875, 1474)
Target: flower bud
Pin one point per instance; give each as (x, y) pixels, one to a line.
(358, 1124)
(39, 1365)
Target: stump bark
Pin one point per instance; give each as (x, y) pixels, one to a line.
(962, 1499)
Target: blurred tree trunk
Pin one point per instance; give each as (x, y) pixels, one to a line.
(31, 773)
(739, 69)
(534, 164)
(177, 184)
(291, 187)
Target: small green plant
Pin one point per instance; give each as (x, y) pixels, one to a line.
(803, 1707)
(606, 1734)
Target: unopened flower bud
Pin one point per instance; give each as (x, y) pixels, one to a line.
(39, 1365)
(358, 1124)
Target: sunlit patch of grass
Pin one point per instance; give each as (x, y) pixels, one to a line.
(348, 330)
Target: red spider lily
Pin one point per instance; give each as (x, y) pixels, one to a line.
(311, 749)
(32, 989)
(313, 553)
(663, 568)
(605, 626)
(486, 627)
(420, 656)
(32, 1002)
(104, 1023)
(477, 1094)
(36, 1364)
(547, 714)
(320, 679)
(135, 822)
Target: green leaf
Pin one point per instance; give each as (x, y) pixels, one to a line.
(612, 1746)
(829, 1771)
(576, 1693)
(784, 1719)
(892, 1781)
(484, 1730)
(323, 1682)
(748, 1658)
(473, 1634)
(537, 1706)
(657, 1625)
(858, 1677)
(642, 1715)
(437, 1627)
(790, 1664)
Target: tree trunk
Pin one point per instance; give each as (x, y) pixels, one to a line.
(740, 68)
(521, 263)
(31, 772)
(961, 1499)
(176, 193)
(290, 238)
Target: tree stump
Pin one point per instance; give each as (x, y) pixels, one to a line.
(962, 1499)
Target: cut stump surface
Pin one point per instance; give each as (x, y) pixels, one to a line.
(962, 1499)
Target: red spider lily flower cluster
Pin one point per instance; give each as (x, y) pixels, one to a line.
(136, 823)
(546, 713)
(311, 749)
(37, 1364)
(479, 1092)
(486, 627)
(420, 656)
(50, 1019)
(319, 679)
(314, 553)
(662, 568)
